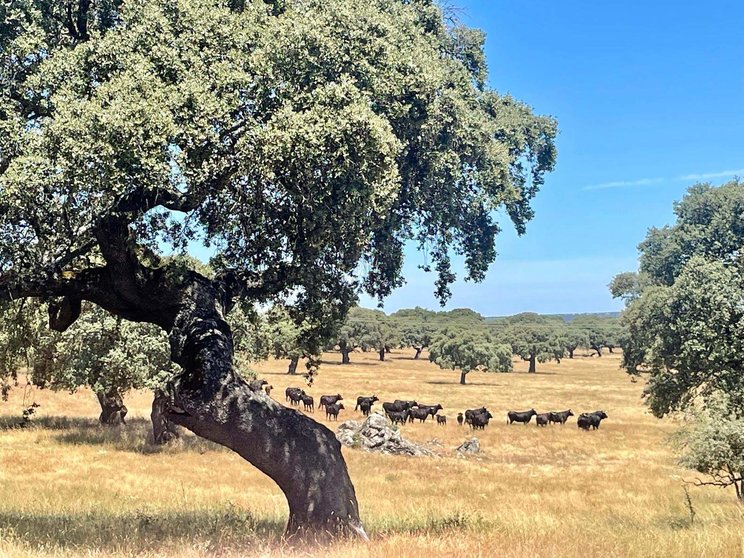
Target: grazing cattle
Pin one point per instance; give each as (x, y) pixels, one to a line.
(542, 419)
(366, 407)
(470, 413)
(257, 385)
(480, 421)
(290, 390)
(294, 395)
(326, 400)
(591, 420)
(460, 419)
(332, 410)
(361, 399)
(441, 420)
(309, 403)
(397, 406)
(418, 413)
(267, 389)
(398, 417)
(523, 416)
(560, 416)
(431, 409)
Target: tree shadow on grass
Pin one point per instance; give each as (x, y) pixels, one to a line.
(352, 363)
(458, 384)
(135, 436)
(138, 532)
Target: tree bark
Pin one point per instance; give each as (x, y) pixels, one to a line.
(345, 350)
(113, 409)
(418, 352)
(212, 400)
(163, 430)
(462, 378)
(293, 365)
(382, 354)
(571, 351)
(533, 364)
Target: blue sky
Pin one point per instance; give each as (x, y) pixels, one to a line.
(649, 98)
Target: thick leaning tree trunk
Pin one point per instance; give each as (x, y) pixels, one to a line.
(418, 352)
(382, 354)
(163, 430)
(462, 378)
(302, 456)
(113, 409)
(533, 364)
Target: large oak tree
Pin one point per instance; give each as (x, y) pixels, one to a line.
(299, 139)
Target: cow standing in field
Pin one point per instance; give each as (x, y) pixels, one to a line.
(257, 385)
(309, 403)
(542, 419)
(332, 410)
(397, 406)
(441, 420)
(268, 389)
(460, 419)
(398, 417)
(470, 413)
(520, 416)
(480, 421)
(590, 420)
(418, 413)
(560, 416)
(326, 400)
(365, 407)
(292, 390)
(295, 396)
(431, 409)
(362, 399)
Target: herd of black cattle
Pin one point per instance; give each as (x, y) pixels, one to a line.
(401, 412)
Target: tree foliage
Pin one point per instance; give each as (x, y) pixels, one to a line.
(712, 443)
(467, 350)
(535, 338)
(686, 327)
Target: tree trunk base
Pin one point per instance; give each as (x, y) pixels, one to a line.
(113, 409)
(163, 430)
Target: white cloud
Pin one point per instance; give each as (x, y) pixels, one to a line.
(705, 176)
(624, 183)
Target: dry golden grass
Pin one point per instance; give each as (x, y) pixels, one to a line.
(71, 488)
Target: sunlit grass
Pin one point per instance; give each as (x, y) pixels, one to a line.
(69, 487)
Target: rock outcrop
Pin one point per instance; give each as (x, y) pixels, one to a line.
(377, 433)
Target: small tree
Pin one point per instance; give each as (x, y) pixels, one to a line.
(535, 338)
(468, 350)
(573, 338)
(712, 443)
(351, 333)
(285, 337)
(100, 351)
(417, 327)
(380, 332)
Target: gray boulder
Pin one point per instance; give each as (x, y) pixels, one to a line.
(469, 446)
(377, 433)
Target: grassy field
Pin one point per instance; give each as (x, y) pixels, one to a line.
(71, 488)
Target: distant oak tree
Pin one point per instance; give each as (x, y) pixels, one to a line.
(469, 350)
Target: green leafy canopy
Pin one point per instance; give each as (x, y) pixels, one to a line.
(297, 138)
